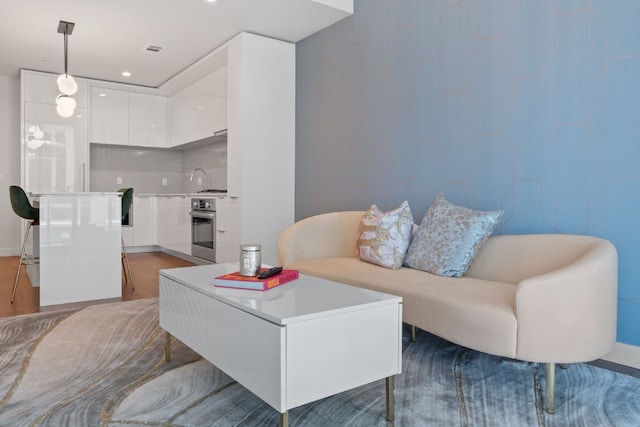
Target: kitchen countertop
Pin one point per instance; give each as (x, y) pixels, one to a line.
(201, 195)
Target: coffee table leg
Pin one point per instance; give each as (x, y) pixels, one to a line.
(167, 348)
(284, 419)
(390, 410)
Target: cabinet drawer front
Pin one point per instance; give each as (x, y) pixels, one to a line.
(243, 346)
(336, 353)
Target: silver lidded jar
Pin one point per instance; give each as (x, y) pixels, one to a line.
(250, 259)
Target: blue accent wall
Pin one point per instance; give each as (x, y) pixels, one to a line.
(528, 106)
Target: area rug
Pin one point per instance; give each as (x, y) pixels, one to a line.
(104, 365)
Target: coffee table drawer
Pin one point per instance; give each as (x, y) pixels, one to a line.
(245, 347)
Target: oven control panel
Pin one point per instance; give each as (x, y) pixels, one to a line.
(203, 204)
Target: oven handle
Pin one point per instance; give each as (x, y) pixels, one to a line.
(205, 215)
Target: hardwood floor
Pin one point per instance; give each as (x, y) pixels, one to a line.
(144, 268)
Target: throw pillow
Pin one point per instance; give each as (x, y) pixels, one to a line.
(449, 237)
(383, 237)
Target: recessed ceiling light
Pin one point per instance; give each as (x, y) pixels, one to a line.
(126, 73)
(102, 94)
(211, 1)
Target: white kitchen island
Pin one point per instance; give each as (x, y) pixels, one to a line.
(78, 241)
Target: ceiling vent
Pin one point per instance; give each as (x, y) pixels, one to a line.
(153, 48)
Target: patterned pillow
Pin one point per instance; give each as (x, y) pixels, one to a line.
(383, 237)
(449, 237)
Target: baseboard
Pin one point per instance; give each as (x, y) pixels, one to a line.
(186, 257)
(9, 251)
(624, 354)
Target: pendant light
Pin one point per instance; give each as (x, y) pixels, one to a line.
(66, 83)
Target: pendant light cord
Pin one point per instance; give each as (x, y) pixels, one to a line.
(65, 50)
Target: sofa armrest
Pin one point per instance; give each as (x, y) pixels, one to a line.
(321, 236)
(569, 315)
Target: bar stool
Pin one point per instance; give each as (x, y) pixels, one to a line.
(127, 198)
(23, 208)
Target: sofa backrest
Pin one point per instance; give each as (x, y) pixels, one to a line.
(511, 258)
(327, 235)
(506, 258)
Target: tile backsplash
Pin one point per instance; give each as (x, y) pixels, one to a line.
(157, 170)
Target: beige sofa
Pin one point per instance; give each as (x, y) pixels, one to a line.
(548, 298)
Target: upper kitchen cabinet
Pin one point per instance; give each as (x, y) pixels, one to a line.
(120, 117)
(109, 116)
(147, 120)
(200, 110)
(42, 88)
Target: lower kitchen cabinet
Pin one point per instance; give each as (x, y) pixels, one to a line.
(174, 223)
(227, 230)
(144, 221)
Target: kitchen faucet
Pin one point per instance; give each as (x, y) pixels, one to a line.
(206, 187)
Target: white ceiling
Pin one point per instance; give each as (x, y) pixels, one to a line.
(110, 36)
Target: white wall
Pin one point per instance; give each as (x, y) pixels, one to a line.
(9, 162)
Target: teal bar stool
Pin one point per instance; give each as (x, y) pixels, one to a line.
(127, 198)
(23, 208)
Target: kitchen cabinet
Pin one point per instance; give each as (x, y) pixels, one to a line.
(147, 120)
(109, 116)
(120, 117)
(55, 150)
(174, 223)
(199, 110)
(261, 140)
(227, 230)
(43, 88)
(144, 221)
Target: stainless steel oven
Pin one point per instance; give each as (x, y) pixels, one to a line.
(203, 228)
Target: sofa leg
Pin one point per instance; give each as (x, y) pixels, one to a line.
(413, 333)
(551, 379)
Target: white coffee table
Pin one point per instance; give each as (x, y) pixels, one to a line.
(291, 345)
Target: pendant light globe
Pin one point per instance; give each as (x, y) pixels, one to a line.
(67, 84)
(66, 102)
(64, 112)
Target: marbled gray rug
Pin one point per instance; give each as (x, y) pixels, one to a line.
(104, 365)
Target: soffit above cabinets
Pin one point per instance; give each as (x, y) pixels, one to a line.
(112, 36)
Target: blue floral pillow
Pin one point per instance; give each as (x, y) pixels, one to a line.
(449, 237)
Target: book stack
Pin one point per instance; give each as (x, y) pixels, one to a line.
(235, 280)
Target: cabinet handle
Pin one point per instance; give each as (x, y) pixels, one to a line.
(84, 176)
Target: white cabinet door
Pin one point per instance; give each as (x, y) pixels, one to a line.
(147, 120)
(199, 110)
(188, 118)
(109, 116)
(227, 230)
(144, 220)
(219, 100)
(43, 88)
(174, 223)
(57, 161)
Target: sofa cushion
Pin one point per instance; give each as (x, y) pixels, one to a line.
(471, 312)
(383, 237)
(449, 237)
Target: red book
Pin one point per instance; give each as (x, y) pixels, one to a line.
(235, 280)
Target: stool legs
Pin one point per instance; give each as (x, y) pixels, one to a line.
(20, 261)
(125, 265)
